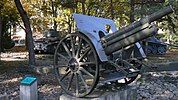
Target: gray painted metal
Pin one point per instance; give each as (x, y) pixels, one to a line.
(130, 40)
(143, 55)
(155, 16)
(97, 44)
(116, 76)
(140, 28)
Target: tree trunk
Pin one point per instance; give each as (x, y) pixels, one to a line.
(28, 31)
(83, 7)
(54, 11)
(0, 36)
(112, 9)
(75, 9)
(132, 5)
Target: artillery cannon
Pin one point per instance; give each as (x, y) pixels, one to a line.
(93, 55)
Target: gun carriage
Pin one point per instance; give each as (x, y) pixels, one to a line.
(93, 55)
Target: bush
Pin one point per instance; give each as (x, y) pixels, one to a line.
(7, 42)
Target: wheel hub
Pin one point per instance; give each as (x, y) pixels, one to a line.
(73, 65)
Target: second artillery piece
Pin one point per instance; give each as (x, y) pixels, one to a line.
(95, 55)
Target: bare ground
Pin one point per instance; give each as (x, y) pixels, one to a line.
(14, 66)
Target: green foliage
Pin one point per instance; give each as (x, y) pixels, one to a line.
(168, 24)
(68, 3)
(9, 16)
(42, 16)
(8, 11)
(7, 42)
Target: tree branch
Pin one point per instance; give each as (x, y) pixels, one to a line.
(28, 31)
(18, 23)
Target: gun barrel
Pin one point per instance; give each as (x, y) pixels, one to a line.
(133, 33)
(136, 30)
(143, 34)
(155, 16)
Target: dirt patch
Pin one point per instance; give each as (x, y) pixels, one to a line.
(11, 73)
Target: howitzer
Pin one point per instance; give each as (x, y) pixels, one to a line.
(111, 39)
(92, 55)
(155, 16)
(122, 41)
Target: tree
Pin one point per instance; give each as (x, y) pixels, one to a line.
(168, 23)
(58, 13)
(9, 16)
(28, 31)
(54, 12)
(0, 32)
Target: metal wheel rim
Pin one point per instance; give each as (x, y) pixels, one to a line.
(148, 51)
(154, 49)
(161, 50)
(81, 73)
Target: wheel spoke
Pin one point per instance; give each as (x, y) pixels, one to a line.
(70, 81)
(76, 85)
(61, 65)
(85, 53)
(86, 72)
(87, 63)
(83, 80)
(76, 65)
(66, 48)
(63, 56)
(78, 48)
(72, 46)
(65, 75)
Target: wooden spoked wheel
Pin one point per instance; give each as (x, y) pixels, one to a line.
(76, 65)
